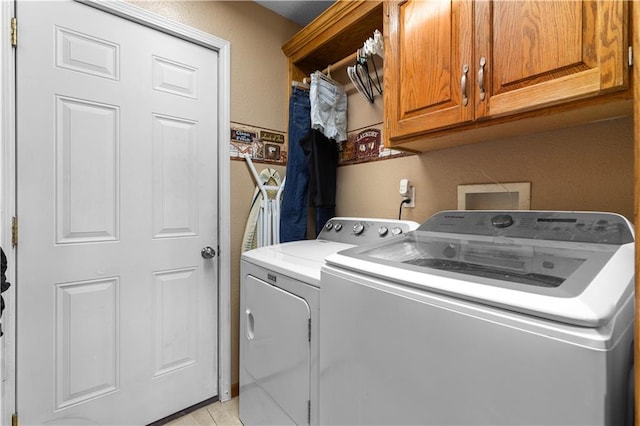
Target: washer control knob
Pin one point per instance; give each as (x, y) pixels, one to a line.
(383, 230)
(338, 227)
(502, 221)
(396, 231)
(328, 226)
(358, 228)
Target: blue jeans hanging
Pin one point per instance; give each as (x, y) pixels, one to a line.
(293, 211)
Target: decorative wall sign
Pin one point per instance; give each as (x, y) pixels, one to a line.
(258, 150)
(271, 152)
(365, 145)
(261, 145)
(241, 149)
(243, 136)
(266, 136)
(368, 144)
(268, 146)
(348, 150)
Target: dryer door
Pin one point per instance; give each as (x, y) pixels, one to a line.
(275, 355)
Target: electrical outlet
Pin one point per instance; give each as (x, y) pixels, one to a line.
(412, 194)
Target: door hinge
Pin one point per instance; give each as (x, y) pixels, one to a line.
(630, 56)
(14, 420)
(14, 231)
(309, 411)
(14, 32)
(309, 323)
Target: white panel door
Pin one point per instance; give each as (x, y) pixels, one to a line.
(117, 196)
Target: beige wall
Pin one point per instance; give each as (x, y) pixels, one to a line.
(258, 97)
(589, 167)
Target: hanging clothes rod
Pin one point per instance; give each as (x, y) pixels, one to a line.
(342, 62)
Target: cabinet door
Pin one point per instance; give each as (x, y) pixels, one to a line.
(428, 44)
(540, 53)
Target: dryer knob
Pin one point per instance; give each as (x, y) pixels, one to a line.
(383, 231)
(396, 231)
(338, 227)
(358, 228)
(328, 226)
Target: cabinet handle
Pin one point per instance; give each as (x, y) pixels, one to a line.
(483, 61)
(463, 84)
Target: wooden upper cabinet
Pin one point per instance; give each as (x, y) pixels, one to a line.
(454, 65)
(428, 49)
(538, 53)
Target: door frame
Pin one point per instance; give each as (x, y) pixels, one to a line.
(8, 188)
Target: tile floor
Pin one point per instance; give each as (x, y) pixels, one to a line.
(216, 414)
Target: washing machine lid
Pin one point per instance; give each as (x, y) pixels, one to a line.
(300, 260)
(573, 267)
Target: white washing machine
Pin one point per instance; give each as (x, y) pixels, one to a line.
(279, 322)
(482, 318)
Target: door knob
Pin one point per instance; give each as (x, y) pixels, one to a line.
(208, 253)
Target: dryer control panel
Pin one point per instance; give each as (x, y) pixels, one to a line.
(357, 231)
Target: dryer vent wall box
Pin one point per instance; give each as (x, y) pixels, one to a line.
(495, 196)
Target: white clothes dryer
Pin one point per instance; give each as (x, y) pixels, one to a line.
(279, 319)
(482, 318)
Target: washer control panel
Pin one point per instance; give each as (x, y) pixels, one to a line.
(357, 231)
(583, 227)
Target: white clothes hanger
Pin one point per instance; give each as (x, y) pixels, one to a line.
(327, 77)
(358, 75)
(300, 84)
